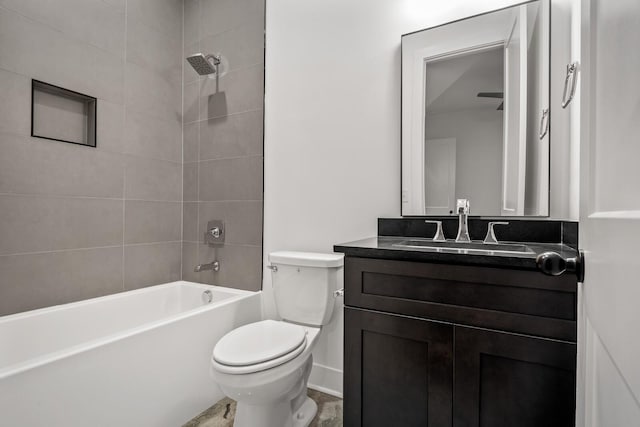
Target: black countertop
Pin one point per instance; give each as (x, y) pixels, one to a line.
(382, 247)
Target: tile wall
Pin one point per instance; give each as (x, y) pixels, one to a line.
(223, 141)
(78, 222)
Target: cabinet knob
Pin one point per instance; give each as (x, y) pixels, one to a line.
(553, 264)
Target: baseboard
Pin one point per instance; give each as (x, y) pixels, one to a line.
(327, 380)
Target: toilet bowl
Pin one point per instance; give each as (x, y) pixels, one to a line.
(271, 392)
(265, 365)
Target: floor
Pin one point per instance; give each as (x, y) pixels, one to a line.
(222, 413)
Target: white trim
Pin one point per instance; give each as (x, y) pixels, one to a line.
(326, 379)
(615, 215)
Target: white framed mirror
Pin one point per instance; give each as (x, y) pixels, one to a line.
(475, 114)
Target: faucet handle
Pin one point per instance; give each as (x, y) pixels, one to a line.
(439, 234)
(462, 206)
(490, 238)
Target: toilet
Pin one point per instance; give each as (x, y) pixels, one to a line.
(265, 365)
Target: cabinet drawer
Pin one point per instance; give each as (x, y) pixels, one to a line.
(511, 300)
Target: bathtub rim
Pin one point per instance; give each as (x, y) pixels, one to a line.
(35, 362)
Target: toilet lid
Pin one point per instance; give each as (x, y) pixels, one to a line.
(258, 342)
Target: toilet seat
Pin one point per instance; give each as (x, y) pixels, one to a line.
(258, 346)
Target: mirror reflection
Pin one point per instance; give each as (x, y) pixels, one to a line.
(475, 115)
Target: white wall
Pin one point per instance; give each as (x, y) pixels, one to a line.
(332, 127)
(478, 134)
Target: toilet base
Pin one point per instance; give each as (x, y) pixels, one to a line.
(279, 415)
(304, 415)
(293, 409)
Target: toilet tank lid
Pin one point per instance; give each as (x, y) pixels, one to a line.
(306, 259)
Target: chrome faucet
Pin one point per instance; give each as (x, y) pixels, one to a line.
(462, 206)
(214, 266)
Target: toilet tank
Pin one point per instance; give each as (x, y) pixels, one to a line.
(303, 285)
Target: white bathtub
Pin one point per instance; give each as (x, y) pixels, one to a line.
(139, 358)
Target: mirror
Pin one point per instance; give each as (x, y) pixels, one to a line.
(475, 114)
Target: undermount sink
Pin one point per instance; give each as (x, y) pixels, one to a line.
(467, 248)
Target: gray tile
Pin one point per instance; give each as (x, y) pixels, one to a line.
(107, 77)
(238, 91)
(39, 166)
(232, 136)
(217, 16)
(243, 221)
(57, 58)
(119, 5)
(190, 182)
(151, 92)
(240, 266)
(110, 126)
(191, 142)
(149, 222)
(148, 265)
(191, 102)
(190, 229)
(33, 224)
(189, 262)
(231, 179)
(93, 22)
(15, 108)
(149, 179)
(191, 22)
(162, 15)
(151, 137)
(242, 46)
(40, 280)
(153, 49)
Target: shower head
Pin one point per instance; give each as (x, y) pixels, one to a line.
(204, 65)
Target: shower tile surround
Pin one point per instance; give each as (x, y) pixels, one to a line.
(79, 222)
(223, 141)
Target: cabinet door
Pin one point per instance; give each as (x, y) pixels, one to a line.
(504, 379)
(398, 371)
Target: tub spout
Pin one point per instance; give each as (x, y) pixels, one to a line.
(214, 266)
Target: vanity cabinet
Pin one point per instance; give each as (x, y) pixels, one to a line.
(430, 344)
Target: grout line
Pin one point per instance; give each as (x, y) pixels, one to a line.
(197, 225)
(249, 156)
(90, 248)
(153, 243)
(182, 146)
(223, 245)
(223, 201)
(61, 250)
(63, 196)
(237, 113)
(124, 121)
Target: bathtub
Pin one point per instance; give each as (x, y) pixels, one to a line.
(138, 358)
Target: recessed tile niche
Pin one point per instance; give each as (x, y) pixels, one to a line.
(62, 115)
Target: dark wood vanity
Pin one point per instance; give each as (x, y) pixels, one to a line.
(439, 343)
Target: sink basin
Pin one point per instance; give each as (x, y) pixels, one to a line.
(467, 248)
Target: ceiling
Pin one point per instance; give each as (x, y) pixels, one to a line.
(454, 83)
